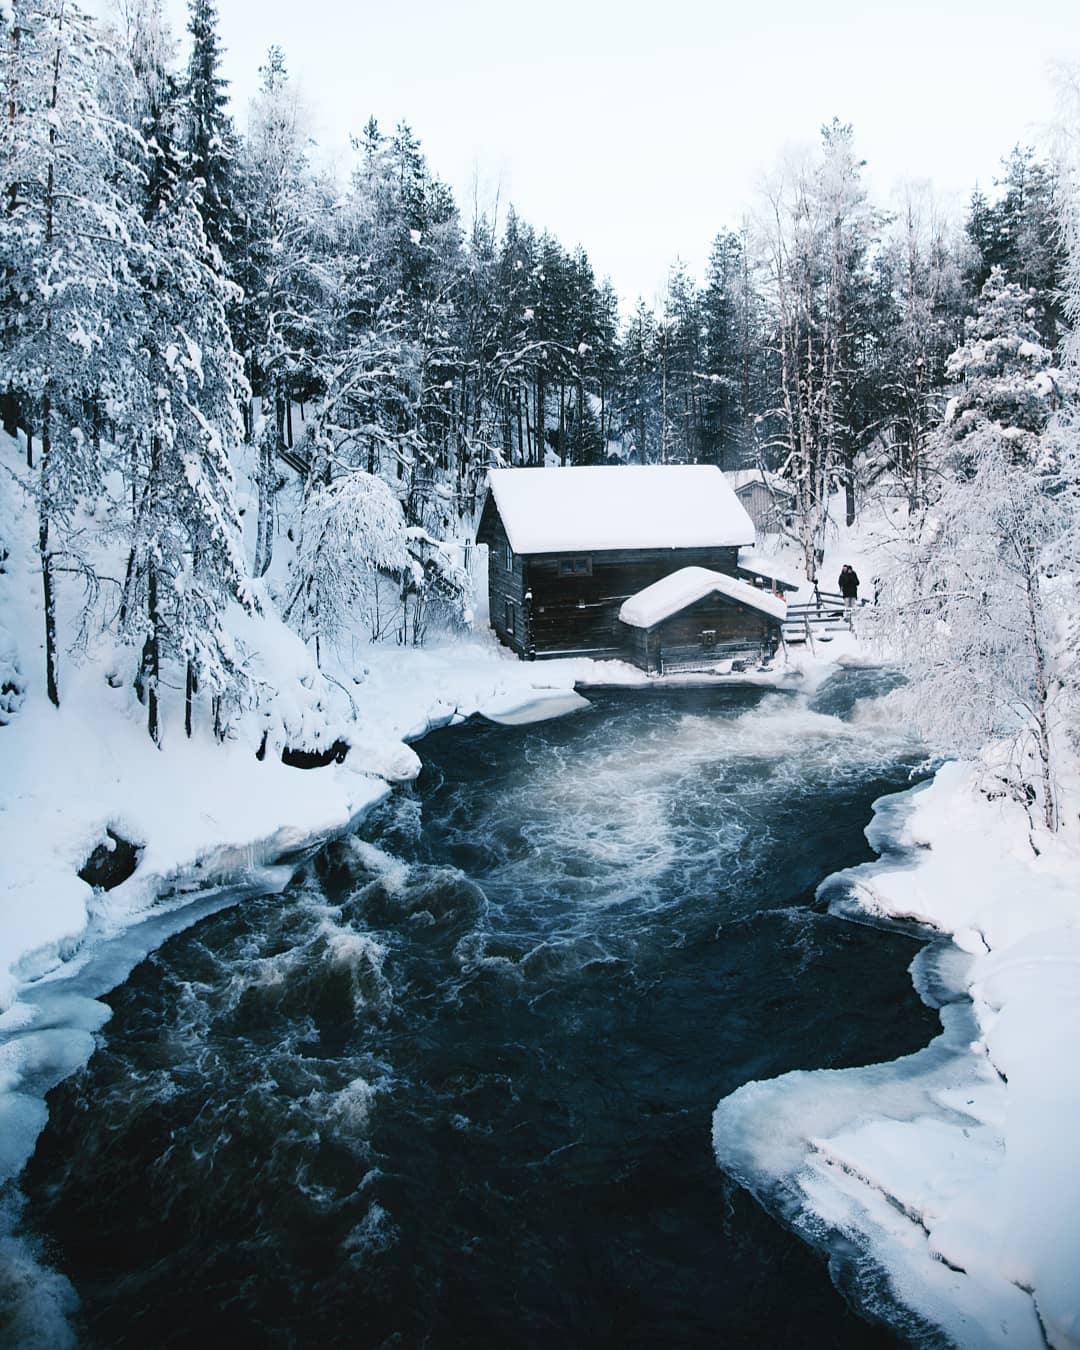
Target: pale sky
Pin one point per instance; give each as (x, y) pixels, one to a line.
(640, 130)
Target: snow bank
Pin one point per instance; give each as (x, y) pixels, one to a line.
(543, 705)
(685, 587)
(759, 564)
(589, 509)
(954, 1168)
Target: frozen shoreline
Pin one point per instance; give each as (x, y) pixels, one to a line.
(920, 1163)
(213, 824)
(951, 1170)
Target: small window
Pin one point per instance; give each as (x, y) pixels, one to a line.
(575, 567)
(708, 638)
(509, 558)
(508, 616)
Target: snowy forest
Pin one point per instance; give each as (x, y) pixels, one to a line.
(245, 387)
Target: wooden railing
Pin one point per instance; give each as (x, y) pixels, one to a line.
(827, 612)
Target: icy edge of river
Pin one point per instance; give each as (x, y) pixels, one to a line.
(941, 1187)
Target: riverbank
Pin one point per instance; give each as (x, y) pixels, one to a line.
(960, 1186)
(397, 1059)
(202, 815)
(952, 1170)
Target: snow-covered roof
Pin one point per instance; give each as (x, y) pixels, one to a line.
(591, 509)
(761, 566)
(688, 585)
(741, 478)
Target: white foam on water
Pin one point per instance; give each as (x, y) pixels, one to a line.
(391, 871)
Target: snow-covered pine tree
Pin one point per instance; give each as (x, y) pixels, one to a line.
(970, 606)
(290, 274)
(638, 408)
(187, 559)
(158, 97)
(210, 139)
(69, 238)
(732, 344)
(1020, 232)
(1008, 387)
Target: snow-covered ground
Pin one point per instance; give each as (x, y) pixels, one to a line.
(953, 1170)
(954, 1167)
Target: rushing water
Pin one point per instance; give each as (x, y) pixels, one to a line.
(454, 1087)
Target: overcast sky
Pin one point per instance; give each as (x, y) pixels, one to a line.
(640, 129)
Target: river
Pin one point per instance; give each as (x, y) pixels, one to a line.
(454, 1087)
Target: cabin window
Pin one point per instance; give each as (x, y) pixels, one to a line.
(708, 638)
(508, 616)
(575, 567)
(509, 558)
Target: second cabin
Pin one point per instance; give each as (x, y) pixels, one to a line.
(569, 547)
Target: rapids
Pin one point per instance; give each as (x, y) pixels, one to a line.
(454, 1087)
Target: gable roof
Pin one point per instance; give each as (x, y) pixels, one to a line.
(595, 508)
(742, 479)
(687, 586)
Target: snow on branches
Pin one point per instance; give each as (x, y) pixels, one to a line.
(979, 603)
(352, 534)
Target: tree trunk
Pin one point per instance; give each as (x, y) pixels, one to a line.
(152, 646)
(152, 655)
(264, 533)
(663, 401)
(190, 687)
(10, 414)
(849, 488)
(1042, 695)
(541, 433)
(45, 554)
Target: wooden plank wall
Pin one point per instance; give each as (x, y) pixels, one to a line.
(581, 613)
(506, 588)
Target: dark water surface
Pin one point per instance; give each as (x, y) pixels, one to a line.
(454, 1088)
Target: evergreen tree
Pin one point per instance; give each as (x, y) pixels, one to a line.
(210, 140)
(68, 241)
(187, 562)
(1008, 387)
(1021, 234)
(290, 276)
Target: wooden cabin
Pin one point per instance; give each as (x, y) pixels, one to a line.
(696, 616)
(766, 498)
(567, 547)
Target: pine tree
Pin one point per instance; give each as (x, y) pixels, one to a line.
(290, 277)
(1008, 387)
(210, 139)
(972, 605)
(69, 239)
(187, 561)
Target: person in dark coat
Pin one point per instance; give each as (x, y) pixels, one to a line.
(849, 585)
